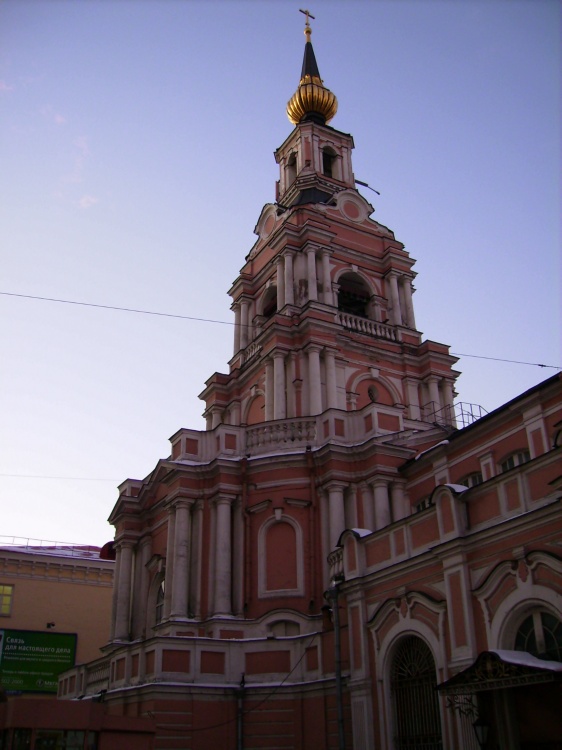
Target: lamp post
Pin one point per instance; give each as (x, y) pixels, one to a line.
(481, 730)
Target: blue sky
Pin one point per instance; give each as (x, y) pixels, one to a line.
(136, 151)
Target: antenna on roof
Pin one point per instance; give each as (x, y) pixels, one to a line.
(358, 182)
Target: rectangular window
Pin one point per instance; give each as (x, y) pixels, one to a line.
(6, 599)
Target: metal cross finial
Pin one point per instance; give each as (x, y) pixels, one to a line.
(308, 15)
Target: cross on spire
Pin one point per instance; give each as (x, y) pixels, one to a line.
(307, 29)
(308, 15)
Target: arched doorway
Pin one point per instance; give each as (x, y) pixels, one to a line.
(415, 706)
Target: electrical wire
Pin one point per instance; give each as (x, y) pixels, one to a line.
(230, 323)
(74, 479)
(114, 307)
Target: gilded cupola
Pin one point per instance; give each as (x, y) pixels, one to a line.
(312, 100)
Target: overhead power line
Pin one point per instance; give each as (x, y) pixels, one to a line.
(73, 479)
(512, 361)
(230, 323)
(120, 309)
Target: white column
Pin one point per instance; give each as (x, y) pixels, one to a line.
(269, 390)
(223, 557)
(435, 406)
(395, 299)
(398, 497)
(350, 507)
(236, 308)
(382, 508)
(244, 330)
(414, 411)
(280, 282)
(291, 394)
(289, 282)
(311, 274)
(368, 506)
(314, 380)
(196, 560)
(125, 552)
(182, 545)
(410, 319)
(326, 280)
(336, 512)
(237, 559)
(216, 413)
(142, 584)
(235, 413)
(448, 398)
(279, 403)
(331, 381)
(170, 556)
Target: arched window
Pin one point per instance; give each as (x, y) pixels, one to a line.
(353, 295)
(516, 459)
(472, 480)
(291, 169)
(269, 307)
(329, 163)
(415, 705)
(540, 634)
(160, 603)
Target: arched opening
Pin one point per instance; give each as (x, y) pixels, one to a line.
(329, 163)
(291, 169)
(269, 307)
(415, 705)
(159, 608)
(353, 295)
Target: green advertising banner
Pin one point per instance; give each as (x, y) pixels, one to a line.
(31, 661)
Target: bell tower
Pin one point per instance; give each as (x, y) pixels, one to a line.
(324, 313)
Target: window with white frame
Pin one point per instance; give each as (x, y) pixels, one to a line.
(540, 634)
(516, 459)
(472, 480)
(160, 602)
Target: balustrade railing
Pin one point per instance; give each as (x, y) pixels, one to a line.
(364, 325)
(97, 675)
(250, 351)
(335, 563)
(279, 434)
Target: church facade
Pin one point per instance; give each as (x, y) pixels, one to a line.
(324, 565)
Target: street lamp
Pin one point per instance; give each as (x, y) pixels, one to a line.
(481, 730)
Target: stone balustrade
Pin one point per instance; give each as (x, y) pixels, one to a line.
(250, 352)
(284, 435)
(364, 325)
(335, 564)
(281, 433)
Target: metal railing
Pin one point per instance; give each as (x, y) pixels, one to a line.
(48, 547)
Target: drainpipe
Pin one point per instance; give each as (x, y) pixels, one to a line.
(333, 595)
(240, 722)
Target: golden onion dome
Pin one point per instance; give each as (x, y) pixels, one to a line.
(312, 100)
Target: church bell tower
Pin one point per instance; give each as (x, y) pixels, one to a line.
(324, 314)
(330, 390)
